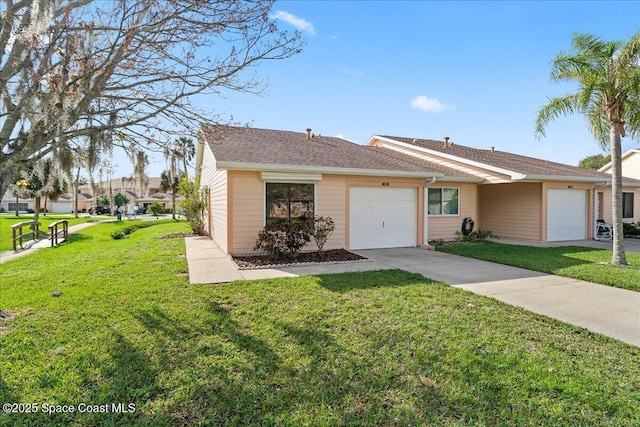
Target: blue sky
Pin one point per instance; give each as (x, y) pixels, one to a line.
(477, 72)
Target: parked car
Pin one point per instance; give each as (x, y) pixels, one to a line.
(141, 210)
(99, 210)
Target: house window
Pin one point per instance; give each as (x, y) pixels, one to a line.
(287, 201)
(22, 207)
(443, 201)
(627, 205)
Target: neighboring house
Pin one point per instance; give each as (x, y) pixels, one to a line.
(151, 193)
(523, 197)
(630, 198)
(391, 192)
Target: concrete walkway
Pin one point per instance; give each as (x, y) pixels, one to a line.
(603, 309)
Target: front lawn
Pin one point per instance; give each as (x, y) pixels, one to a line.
(589, 264)
(7, 220)
(374, 348)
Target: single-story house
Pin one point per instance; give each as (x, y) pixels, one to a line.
(391, 192)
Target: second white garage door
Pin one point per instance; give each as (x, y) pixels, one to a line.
(61, 207)
(566, 215)
(382, 217)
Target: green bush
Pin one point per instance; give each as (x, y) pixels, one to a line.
(322, 229)
(123, 232)
(118, 234)
(437, 242)
(156, 208)
(281, 240)
(194, 206)
(474, 236)
(631, 229)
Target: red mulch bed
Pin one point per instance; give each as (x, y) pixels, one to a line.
(332, 256)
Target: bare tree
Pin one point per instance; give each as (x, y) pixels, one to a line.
(123, 71)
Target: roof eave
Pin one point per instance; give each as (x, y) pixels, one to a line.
(269, 167)
(461, 179)
(564, 178)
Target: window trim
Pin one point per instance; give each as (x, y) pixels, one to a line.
(12, 206)
(442, 201)
(294, 181)
(633, 196)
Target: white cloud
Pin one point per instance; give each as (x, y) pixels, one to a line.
(353, 72)
(430, 105)
(299, 23)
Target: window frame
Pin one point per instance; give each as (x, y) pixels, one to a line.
(441, 189)
(12, 206)
(290, 182)
(632, 194)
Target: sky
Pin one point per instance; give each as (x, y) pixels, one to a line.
(477, 72)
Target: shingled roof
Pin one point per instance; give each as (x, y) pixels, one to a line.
(252, 146)
(508, 161)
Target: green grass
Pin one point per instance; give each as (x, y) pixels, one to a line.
(375, 348)
(7, 220)
(577, 262)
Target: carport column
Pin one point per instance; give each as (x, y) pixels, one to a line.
(596, 208)
(425, 210)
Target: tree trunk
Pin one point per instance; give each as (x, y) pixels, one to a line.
(173, 203)
(36, 208)
(5, 180)
(75, 193)
(618, 257)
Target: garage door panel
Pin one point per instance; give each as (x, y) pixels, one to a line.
(61, 207)
(382, 217)
(566, 215)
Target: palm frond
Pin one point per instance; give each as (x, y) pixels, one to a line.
(629, 54)
(559, 106)
(597, 122)
(632, 115)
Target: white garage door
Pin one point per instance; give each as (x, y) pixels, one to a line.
(566, 215)
(61, 207)
(382, 217)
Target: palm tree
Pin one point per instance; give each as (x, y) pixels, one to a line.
(186, 151)
(608, 77)
(171, 155)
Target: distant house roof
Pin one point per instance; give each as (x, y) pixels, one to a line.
(81, 197)
(260, 149)
(519, 166)
(626, 155)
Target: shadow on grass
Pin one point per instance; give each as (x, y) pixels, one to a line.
(346, 282)
(77, 237)
(533, 258)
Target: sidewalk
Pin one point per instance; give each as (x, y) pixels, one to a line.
(603, 309)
